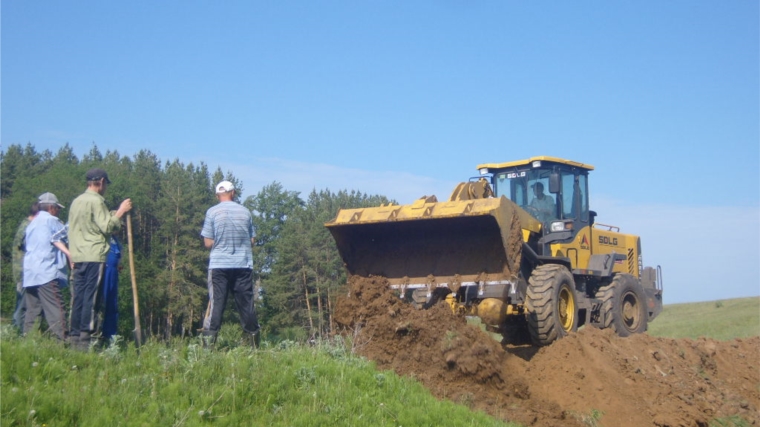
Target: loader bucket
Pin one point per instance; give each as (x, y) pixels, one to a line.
(440, 243)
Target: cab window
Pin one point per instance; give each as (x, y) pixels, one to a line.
(574, 196)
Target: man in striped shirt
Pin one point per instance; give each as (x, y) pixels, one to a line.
(228, 232)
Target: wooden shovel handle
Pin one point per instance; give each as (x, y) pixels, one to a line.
(138, 330)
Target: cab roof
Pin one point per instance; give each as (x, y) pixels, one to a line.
(527, 162)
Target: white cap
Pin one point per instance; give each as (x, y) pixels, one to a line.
(224, 187)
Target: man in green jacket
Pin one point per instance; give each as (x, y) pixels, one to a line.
(90, 225)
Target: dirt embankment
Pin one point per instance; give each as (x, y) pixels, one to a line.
(638, 381)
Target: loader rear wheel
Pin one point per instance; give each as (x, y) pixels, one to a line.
(623, 305)
(551, 304)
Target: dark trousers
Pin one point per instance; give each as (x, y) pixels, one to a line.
(238, 282)
(45, 299)
(88, 277)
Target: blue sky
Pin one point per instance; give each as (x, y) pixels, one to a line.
(405, 99)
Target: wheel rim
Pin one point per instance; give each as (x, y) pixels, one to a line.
(566, 308)
(631, 311)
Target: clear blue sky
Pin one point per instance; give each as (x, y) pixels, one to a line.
(404, 99)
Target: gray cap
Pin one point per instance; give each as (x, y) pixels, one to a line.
(50, 199)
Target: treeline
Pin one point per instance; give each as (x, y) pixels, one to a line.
(296, 262)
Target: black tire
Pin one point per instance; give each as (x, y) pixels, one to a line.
(624, 305)
(551, 303)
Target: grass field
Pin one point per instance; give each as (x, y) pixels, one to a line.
(182, 384)
(721, 320)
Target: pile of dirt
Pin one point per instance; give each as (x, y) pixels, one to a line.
(636, 381)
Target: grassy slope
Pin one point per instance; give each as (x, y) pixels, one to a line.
(290, 385)
(186, 385)
(722, 320)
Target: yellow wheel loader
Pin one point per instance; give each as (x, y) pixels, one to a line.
(517, 246)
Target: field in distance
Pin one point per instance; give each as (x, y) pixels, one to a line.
(721, 319)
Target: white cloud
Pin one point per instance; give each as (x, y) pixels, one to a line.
(304, 177)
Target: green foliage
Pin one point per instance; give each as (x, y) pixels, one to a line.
(271, 207)
(722, 320)
(183, 276)
(308, 272)
(183, 384)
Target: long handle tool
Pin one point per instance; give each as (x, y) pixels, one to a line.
(138, 329)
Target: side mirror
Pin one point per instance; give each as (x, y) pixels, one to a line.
(591, 217)
(554, 183)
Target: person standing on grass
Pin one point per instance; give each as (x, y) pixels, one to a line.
(90, 226)
(45, 268)
(19, 250)
(228, 232)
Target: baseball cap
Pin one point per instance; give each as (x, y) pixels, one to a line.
(224, 187)
(50, 199)
(97, 173)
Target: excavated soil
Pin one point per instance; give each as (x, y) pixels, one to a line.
(637, 381)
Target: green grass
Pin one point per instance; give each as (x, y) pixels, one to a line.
(721, 320)
(183, 384)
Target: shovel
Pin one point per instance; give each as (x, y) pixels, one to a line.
(138, 330)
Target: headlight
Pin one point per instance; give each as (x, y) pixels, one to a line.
(560, 226)
(484, 171)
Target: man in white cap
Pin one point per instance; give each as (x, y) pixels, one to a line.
(228, 232)
(91, 224)
(45, 268)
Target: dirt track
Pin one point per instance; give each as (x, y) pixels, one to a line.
(638, 381)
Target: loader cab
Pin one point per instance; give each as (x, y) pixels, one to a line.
(552, 190)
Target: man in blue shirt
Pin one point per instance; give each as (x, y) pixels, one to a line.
(228, 232)
(45, 268)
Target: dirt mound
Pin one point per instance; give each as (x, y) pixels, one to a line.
(637, 381)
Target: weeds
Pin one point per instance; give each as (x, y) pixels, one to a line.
(734, 421)
(593, 419)
(448, 340)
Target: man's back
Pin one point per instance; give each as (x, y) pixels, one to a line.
(89, 224)
(42, 261)
(230, 226)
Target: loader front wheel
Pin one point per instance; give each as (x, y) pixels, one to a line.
(551, 303)
(623, 305)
